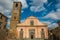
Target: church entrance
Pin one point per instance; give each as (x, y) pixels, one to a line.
(32, 34)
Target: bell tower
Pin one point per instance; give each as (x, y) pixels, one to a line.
(15, 18)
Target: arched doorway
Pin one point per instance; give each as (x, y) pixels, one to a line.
(32, 34)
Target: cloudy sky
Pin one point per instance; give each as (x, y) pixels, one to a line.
(47, 11)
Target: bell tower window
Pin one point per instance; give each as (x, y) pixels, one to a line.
(16, 4)
(14, 17)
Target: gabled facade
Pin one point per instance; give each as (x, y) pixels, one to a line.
(32, 28)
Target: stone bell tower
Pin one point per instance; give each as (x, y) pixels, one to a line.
(15, 18)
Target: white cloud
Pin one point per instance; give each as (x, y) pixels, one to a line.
(8, 22)
(9, 16)
(37, 5)
(52, 26)
(22, 11)
(22, 20)
(44, 1)
(58, 13)
(6, 6)
(53, 15)
(36, 8)
(47, 22)
(1, 9)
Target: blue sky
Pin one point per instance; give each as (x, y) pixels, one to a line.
(47, 11)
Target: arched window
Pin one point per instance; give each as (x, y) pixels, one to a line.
(21, 33)
(32, 23)
(42, 33)
(14, 17)
(16, 4)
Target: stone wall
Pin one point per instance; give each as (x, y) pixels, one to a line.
(3, 34)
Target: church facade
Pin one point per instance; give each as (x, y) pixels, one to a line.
(30, 29)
